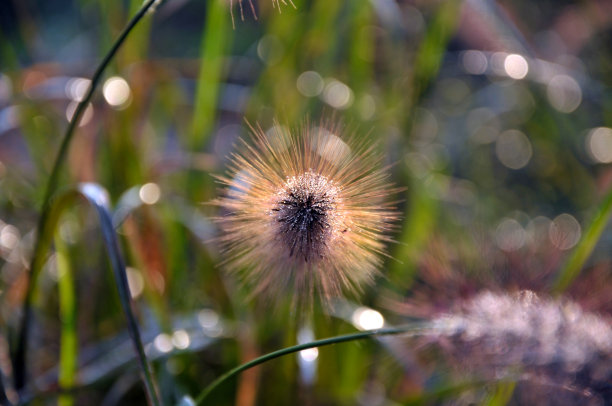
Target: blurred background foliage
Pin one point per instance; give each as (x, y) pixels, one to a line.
(496, 117)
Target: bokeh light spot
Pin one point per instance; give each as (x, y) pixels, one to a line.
(565, 231)
(309, 354)
(474, 62)
(310, 84)
(181, 339)
(516, 66)
(9, 237)
(117, 92)
(367, 319)
(208, 318)
(149, 193)
(337, 95)
(77, 88)
(537, 232)
(270, 49)
(163, 343)
(564, 93)
(135, 282)
(599, 144)
(331, 147)
(367, 107)
(85, 117)
(513, 149)
(510, 235)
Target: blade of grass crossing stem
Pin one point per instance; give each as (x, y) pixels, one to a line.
(412, 328)
(19, 356)
(585, 247)
(67, 313)
(216, 38)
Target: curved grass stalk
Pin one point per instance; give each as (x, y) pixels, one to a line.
(411, 328)
(19, 356)
(97, 197)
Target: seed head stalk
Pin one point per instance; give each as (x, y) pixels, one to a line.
(414, 329)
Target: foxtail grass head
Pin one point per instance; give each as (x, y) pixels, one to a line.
(563, 355)
(306, 213)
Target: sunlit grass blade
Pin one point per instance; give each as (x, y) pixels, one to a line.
(19, 356)
(68, 316)
(585, 247)
(216, 38)
(411, 328)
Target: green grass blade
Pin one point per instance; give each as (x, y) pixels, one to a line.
(215, 40)
(19, 356)
(290, 350)
(585, 247)
(68, 313)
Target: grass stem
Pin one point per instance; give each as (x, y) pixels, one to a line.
(289, 350)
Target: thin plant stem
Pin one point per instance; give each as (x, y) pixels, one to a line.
(585, 247)
(19, 356)
(289, 350)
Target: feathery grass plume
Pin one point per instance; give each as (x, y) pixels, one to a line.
(558, 349)
(275, 4)
(306, 213)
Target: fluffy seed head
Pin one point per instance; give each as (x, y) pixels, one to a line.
(305, 213)
(553, 341)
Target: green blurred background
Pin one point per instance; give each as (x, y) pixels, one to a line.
(495, 116)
